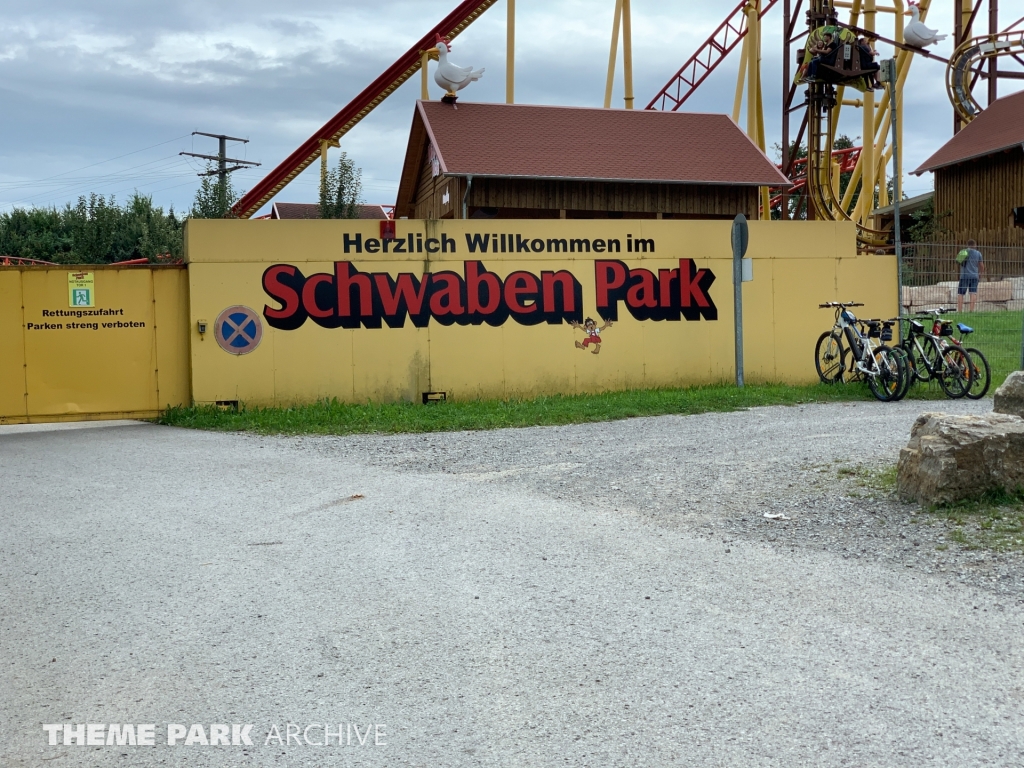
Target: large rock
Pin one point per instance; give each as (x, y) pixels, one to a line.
(1009, 398)
(950, 458)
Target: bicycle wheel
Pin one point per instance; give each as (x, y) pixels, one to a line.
(850, 372)
(954, 373)
(916, 370)
(828, 357)
(888, 378)
(908, 379)
(982, 374)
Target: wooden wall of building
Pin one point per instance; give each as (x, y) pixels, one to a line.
(440, 197)
(980, 195)
(437, 197)
(684, 200)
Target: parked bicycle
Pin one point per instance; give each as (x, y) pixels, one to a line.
(878, 333)
(979, 363)
(847, 348)
(930, 355)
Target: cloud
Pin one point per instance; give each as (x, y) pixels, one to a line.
(82, 83)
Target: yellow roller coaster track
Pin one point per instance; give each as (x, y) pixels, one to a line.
(962, 71)
(821, 181)
(823, 111)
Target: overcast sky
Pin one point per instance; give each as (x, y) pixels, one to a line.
(101, 96)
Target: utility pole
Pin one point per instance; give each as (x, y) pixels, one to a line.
(222, 163)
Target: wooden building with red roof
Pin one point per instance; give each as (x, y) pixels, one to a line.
(521, 161)
(979, 176)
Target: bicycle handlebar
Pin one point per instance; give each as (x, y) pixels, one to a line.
(830, 304)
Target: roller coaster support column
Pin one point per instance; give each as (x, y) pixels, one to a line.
(510, 53)
(324, 144)
(753, 79)
(627, 53)
(741, 81)
(993, 65)
(622, 16)
(611, 55)
(866, 202)
(755, 108)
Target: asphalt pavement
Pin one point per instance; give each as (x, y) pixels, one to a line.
(459, 602)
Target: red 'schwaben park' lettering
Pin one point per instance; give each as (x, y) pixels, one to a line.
(672, 294)
(349, 298)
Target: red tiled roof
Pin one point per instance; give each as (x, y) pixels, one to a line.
(525, 141)
(312, 211)
(997, 128)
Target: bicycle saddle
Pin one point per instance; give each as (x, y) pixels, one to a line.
(964, 328)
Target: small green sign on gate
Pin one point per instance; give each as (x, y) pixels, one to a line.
(81, 289)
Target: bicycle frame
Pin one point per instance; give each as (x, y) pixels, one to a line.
(860, 343)
(931, 364)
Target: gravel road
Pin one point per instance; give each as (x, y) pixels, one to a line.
(595, 595)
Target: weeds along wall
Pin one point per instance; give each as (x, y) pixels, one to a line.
(92, 342)
(294, 311)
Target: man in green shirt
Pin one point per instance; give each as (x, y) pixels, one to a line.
(972, 267)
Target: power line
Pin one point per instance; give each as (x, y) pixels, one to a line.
(112, 159)
(62, 183)
(69, 186)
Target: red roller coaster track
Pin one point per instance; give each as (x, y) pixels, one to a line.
(699, 66)
(406, 66)
(845, 158)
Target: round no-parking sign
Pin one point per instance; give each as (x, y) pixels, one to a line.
(238, 330)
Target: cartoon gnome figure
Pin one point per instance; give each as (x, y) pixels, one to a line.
(592, 334)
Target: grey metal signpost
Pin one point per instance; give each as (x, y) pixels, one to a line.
(889, 75)
(740, 238)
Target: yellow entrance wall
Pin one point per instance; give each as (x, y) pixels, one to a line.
(797, 265)
(68, 374)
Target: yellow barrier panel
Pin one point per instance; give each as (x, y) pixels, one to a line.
(92, 342)
(299, 310)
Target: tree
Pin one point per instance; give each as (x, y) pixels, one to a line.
(927, 226)
(341, 191)
(95, 230)
(207, 203)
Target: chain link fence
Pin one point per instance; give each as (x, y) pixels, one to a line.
(931, 279)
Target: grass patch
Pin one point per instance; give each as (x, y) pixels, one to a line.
(330, 417)
(998, 336)
(994, 520)
(883, 479)
(872, 478)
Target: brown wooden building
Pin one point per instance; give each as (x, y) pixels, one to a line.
(521, 161)
(979, 176)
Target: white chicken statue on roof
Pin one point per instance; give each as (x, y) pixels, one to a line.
(916, 33)
(450, 76)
